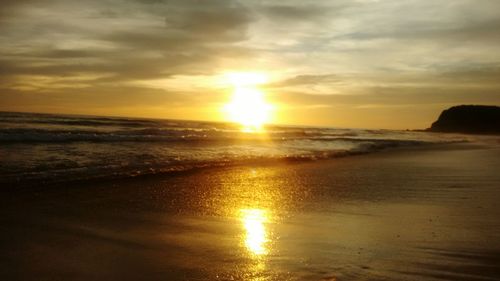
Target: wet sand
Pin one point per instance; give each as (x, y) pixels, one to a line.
(421, 214)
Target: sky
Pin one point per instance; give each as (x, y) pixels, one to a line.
(392, 64)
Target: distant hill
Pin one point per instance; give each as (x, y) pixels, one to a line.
(472, 119)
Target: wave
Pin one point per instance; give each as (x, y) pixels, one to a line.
(38, 148)
(28, 135)
(34, 135)
(53, 175)
(87, 121)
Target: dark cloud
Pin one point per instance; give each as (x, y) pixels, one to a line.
(461, 33)
(10, 7)
(189, 41)
(119, 68)
(364, 52)
(303, 12)
(211, 21)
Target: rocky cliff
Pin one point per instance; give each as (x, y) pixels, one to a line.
(473, 119)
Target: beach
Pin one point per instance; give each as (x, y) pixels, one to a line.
(422, 213)
(256, 140)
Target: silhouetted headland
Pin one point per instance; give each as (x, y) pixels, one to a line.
(471, 119)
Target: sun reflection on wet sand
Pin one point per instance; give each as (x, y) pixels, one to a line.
(256, 238)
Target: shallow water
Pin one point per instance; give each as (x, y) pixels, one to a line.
(403, 215)
(37, 148)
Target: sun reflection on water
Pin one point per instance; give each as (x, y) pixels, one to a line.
(256, 235)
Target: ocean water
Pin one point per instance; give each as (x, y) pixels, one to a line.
(415, 214)
(47, 148)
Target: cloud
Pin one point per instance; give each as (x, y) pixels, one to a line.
(164, 38)
(391, 96)
(307, 80)
(323, 52)
(294, 13)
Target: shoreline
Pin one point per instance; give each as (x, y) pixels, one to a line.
(37, 184)
(402, 214)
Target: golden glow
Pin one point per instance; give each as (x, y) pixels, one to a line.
(256, 236)
(248, 106)
(241, 79)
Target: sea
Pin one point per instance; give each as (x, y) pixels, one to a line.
(40, 149)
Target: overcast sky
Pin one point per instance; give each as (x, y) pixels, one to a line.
(347, 63)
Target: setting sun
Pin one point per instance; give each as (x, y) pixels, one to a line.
(250, 140)
(248, 106)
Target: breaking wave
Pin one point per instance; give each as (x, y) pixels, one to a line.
(47, 148)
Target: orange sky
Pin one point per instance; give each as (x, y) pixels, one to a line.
(346, 63)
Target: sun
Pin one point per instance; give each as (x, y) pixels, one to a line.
(248, 106)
